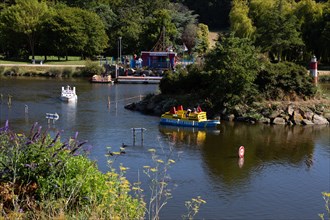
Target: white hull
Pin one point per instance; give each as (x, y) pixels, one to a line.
(69, 99)
(68, 94)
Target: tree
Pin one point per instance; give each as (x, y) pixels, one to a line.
(202, 39)
(232, 67)
(182, 17)
(278, 31)
(75, 31)
(240, 23)
(325, 34)
(309, 13)
(189, 36)
(155, 24)
(65, 31)
(26, 17)
(94, 28)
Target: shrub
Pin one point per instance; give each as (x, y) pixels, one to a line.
(67, 72)
(2, 70)
(41, 176)
(91, 68)
(55, 72)
(279, 80)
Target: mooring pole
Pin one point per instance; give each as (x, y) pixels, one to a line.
(26, 109)
(9, 100)
(133, 136)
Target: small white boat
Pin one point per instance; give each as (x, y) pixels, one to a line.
(68, 94)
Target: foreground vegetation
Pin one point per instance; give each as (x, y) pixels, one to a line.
(44, 178)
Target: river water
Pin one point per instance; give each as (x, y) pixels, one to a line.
(282, 176)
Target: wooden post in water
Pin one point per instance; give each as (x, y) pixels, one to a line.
(109, 102)
(141, 136)
(26, 109)
(134, 135)
(9, 100)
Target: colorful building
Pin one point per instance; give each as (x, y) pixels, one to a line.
(158, 60)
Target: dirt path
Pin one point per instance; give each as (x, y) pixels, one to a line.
(42, 65)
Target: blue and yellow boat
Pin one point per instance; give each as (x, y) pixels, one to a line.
(188, 118)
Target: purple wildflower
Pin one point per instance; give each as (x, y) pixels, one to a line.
(76, 135)
(32, 128)
(5, 128)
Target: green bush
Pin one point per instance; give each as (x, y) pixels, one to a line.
(55, 72)
(2, 70)
(67, 72)
(91, 68)
(285, 80)
(41, 176)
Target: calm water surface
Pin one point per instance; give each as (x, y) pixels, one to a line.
(284, 171)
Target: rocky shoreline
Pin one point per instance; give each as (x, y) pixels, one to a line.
(311, 112)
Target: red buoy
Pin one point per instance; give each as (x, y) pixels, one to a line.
(241, 152)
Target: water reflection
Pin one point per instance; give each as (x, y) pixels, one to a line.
(68, 112)
(264, 146)
(194, 137)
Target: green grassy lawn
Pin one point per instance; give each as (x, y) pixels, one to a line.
(51, 60)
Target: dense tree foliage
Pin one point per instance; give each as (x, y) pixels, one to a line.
(235, 73)
(91, 28)
(26, 17)
(286, 30)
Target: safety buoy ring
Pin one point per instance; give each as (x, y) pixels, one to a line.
(241, 152)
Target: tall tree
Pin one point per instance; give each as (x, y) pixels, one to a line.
(202, 39)
(94, 28)
(325, 34)
(278, 31)
(240, 23)
(75, 31)
(310, 16)
(232, 67)
(26, 17)
(154, 26)
(189, 36)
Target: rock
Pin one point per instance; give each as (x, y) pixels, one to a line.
(306, 122)
(308, 115)
(319, 120)
(230, 117)
(279, 121)
(264, 120)
(297, 118)
(274, 114)
(246, 119)
(327, 116)
(290, 109)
